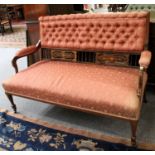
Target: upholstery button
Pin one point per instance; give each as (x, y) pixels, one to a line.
(80, 41)
(136, 37)
(87, 40)
(126, 36)
(87, 29)
(76, 25)
(127, 25)
(55, 25)
(77, 35)
(63, 34)
(95, 41)
(131, 31)
(73, 29)
(69, 34)
(121, 42)
(99, 25)
(112, 41)
(96, 30)
(49, 26)
(108, 36)
(83, 35)
(82, 24)
(112, 31)
(117, 36)
(108, 25)
(103, 31)
(122, 31)
(100, 36)
(91, 25)
(131, 42)
(103, 42)
(59, 40)
(60, 30)
(90, 35)
(117, 25)
(62, 25)
(136, 24)
(69, 25)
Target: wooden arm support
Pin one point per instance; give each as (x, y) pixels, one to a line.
(25, 52)
(144, 62)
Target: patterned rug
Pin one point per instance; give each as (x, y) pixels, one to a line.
(21, 133)
(14, 39)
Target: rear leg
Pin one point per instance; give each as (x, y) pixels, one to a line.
(145, 97)
(12, 102)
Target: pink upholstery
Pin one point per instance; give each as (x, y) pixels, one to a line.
(92, 87)
(99, 32)
(145, 59)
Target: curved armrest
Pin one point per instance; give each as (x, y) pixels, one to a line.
(24, 52)
(145, 59)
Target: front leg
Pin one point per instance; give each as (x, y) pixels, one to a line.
(133, 132)
(12, 102)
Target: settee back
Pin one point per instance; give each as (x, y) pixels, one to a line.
(123, 32)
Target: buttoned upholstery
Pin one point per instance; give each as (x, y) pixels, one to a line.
(91, 87)
(142, 7)
(95, 32)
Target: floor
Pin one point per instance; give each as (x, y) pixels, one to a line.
(69, 118)
(17, 38)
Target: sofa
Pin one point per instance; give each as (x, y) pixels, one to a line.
(107, 88)
(143, 7)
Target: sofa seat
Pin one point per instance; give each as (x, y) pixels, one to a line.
(95, 88)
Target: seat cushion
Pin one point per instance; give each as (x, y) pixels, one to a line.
(91, 87)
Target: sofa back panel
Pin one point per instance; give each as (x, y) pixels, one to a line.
(123, 32)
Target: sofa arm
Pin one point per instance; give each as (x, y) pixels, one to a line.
(145, 59)
(25, 52)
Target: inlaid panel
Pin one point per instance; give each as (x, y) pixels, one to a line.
(112, 58)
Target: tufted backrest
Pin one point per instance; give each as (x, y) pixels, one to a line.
(143, 7)
(123, 32)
